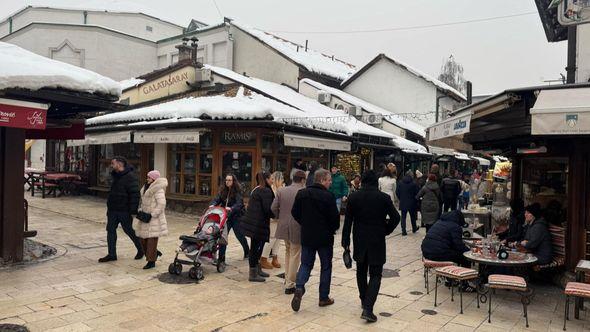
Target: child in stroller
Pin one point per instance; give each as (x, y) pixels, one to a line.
(203, 245)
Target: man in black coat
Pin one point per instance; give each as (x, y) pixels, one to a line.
(366, 214)
(315, 210)
(444, 240)
(537, 238)
(406, 192)
(450, 189)
(122, 204)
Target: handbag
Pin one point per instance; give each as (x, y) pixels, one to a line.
(347, 259)
(144, 217)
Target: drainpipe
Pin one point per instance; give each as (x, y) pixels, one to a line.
(571, 54)
(85, 17)
(10, 25)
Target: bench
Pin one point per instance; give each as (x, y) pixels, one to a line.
(558, 241)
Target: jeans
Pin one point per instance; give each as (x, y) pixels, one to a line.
(450, 204)
(113, 220)
(368, 291)
(339, 204)
(307, 260)
(232, 223)
(256, 247)
(413, 217)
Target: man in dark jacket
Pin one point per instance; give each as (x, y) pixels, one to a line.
(444, 240)
(122, 204)
(537, 238)
(450, 189)
(366, 214)
(406, 192)
(315, 210)
(313, 166)
(515, 231)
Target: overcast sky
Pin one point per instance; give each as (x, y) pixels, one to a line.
(496, 54)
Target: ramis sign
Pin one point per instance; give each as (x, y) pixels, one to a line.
(23, 114)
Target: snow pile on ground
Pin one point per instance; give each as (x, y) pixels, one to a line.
(130, 83)
(34, 251)
(313, 61)
(393, 118)
(20, 68)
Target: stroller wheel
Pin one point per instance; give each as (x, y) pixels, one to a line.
(196, 273)
(220, 267)
(175, 268)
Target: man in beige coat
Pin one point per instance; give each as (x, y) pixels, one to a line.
(288, 229)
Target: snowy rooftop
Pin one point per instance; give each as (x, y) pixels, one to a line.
(393, 118)
(23, 69)
(312, 60)
(131, 83)
(441, 85)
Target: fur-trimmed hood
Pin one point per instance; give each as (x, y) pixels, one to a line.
(159, 183)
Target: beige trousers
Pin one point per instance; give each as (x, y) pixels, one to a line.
(292, 261)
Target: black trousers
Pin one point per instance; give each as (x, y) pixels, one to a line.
(113, 221)
(450, 204)
(256, 247)
(368, 291)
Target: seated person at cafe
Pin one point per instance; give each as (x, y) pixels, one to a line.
(444, 240)
(515, 231)
(537, 239)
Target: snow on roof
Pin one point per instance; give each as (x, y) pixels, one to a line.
(312, 108)
(393, 118)
(441, 85)
(23, 69)
(312, 60)
(131, 83)
(408, 146)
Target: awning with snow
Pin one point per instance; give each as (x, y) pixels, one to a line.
(167, 136)
(461, 156)
(315, 142)
(482, 161)
(561, 112)
(441, 151)
(102, 138)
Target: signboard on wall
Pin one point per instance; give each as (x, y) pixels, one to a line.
(561, 112)
(23, 114)
(238, 138)
(450, 127)
(163, 86)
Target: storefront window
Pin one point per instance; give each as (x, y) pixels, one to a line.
(267, 144)
(132, 152)
(544, 181)
(189, 169)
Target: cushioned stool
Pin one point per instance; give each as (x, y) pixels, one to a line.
(453, 273)
(575, 289)
(515, 283)
(429, 265)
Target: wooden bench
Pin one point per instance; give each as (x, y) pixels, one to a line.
(558, 241)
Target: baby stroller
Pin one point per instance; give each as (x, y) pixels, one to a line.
(203, 245)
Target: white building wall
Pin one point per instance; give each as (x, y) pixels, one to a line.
(46, 15)
(135, 25)
(214, 48)
(395, 89)
(107, 53)
(248, 53)
(161, 158)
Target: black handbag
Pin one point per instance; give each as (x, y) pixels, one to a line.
(347, 259)
(144, 217)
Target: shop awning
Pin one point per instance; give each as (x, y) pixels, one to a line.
(167, 136)
(482, 161)
(315, 142)
(561, 112)
(102, 138)
(453, 126)
(461, 156)
(441, 151)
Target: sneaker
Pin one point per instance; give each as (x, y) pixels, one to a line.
(369, 316)
(290, 291)
(107, 258)
(326, 302)
(296, 302)
(149, 265)
(415, 229)
(139, 255)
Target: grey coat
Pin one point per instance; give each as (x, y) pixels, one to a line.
(287, 229)
(431, 202)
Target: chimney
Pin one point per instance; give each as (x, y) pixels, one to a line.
(184, 51)
(469, 89)
(194, 47)
(306, 45)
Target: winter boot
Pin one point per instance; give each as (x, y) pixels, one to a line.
(265, 264)
(262, 273)
(275, 262)
(253, 275)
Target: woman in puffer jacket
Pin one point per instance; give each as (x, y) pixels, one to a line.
(153, 203)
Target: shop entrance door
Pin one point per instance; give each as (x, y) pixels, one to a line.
(240, 163)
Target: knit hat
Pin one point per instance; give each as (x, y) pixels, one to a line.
(534, 209)
(154, 175)
(418, 174)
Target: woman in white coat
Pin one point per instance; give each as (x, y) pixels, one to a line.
(388, 185)
(153, 203)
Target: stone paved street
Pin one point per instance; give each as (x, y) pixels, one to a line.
(72, 292)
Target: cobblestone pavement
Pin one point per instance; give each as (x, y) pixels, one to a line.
(72, 292)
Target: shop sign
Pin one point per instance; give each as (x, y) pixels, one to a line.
(238, 138)
(450, 127)
(166, 85)
(169, 81)
(22, 114)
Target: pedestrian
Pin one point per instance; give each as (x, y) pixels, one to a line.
(288, 229)
(256, 223)
(371, 216)
(450, 189)
(420, 179)
(515, 231)
(299, 165)
(270, 257)
(153, 203)
(388, 184)
(406, 192)
(355, 184)
(122, 204)
(464, 196)
(393, 169)
(230, 196)
(430, 201)
(435, 169)
(339, 187)
(313, 166)
(316, 211)
(537, 238)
